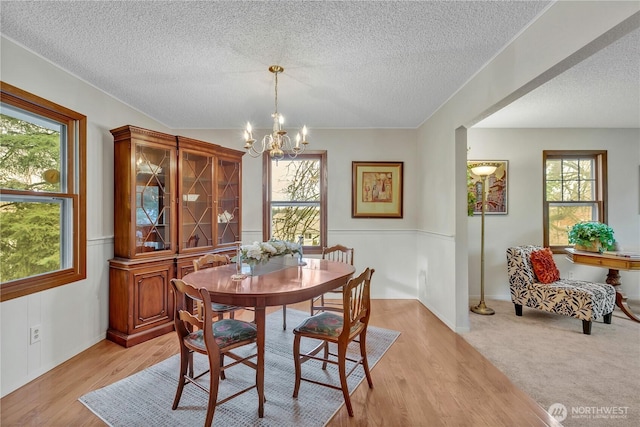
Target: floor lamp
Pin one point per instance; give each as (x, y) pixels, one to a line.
(483, 170)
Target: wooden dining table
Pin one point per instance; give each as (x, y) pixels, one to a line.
(286, 285)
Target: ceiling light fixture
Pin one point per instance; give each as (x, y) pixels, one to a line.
(277, 143)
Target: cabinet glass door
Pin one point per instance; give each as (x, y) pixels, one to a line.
(153, 199)
(197, 201)
(228, 201)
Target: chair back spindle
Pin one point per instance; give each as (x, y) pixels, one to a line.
(338, 253)
(357, 300)
(210, 260)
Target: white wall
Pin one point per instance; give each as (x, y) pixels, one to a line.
(523, 224)
(564, 34)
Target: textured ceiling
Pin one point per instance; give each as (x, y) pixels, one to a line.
(191, 64)
(601, 91)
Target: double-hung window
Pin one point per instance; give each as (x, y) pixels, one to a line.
(295, 199)
(575, 190)
(42, 194)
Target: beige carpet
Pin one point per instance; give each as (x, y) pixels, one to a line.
(596, 377)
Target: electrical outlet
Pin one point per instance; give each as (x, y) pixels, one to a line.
(35, 334)
(570, 275)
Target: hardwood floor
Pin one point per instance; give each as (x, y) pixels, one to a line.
(429, 377)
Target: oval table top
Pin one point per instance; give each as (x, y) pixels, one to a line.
(288, 285)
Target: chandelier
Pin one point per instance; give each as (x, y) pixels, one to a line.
(277, 143)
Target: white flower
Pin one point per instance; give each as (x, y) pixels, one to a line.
(253, 251)
(258, 253)
(279, 245)
(268, 248)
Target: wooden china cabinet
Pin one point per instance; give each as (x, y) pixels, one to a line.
(176, 198)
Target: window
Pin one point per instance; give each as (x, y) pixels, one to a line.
(42, 194)
(295, 199)
(575, 189)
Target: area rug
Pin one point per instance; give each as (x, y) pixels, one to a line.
(588, 380)
(145, 398)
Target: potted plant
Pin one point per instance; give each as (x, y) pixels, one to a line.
(591, 236)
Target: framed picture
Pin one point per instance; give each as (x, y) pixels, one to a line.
(376, 190)
(495, 190)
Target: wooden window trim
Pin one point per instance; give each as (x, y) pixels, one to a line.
(77, 131)
(266, 198)
(600, 157)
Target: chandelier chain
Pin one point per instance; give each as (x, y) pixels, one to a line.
(276, 93)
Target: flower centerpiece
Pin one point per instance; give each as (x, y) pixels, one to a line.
(591, 236)
(261, 252)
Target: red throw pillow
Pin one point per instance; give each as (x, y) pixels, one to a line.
(544, 266)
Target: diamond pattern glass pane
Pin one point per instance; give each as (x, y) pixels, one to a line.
(228, 201)
(153, 199)
(197, 200)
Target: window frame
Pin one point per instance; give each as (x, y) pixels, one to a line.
(599, 158)
(320, 155)
(75, 192)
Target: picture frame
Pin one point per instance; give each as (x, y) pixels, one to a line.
(496, 188)
(377, 189)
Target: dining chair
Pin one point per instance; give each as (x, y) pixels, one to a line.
(337, 253)
(199, 334)
(341, 330)
(209, 261)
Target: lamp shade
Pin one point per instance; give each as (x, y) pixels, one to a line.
(484, 169)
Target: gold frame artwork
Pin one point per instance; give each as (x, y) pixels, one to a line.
(377, 189)
(496, 191)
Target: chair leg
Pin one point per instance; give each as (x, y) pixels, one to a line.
(284, 317)
(296, 360)
(213, 393)
(222, 375)
(586, 327)
(184, 362)
(326, 355)
(607, 318)
(518, 309)
(363, 355)
(190, 358)
(342, 369)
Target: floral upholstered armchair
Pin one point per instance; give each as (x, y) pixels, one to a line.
(586, 301)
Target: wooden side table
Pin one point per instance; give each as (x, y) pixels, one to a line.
(614, 263)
